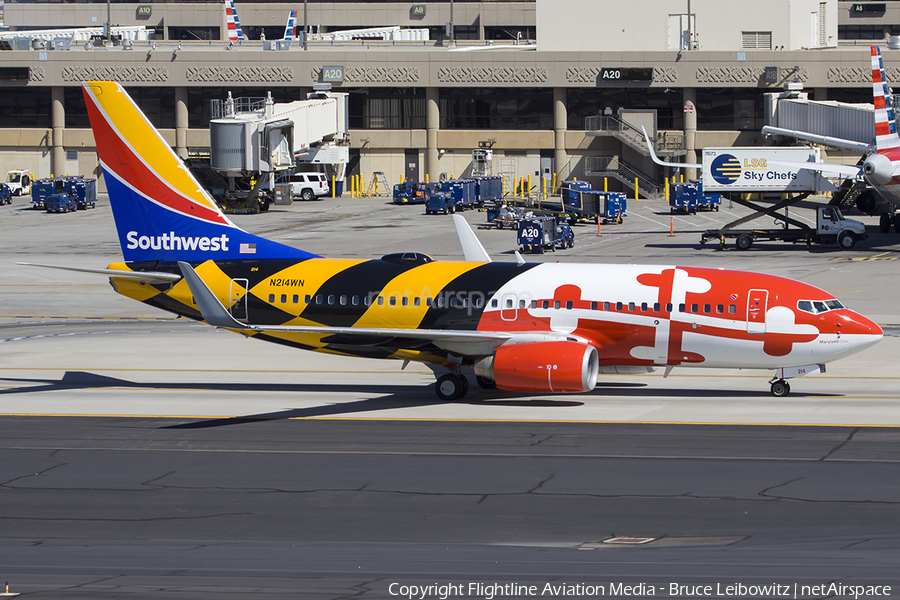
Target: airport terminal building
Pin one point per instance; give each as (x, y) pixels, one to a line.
(545, 84)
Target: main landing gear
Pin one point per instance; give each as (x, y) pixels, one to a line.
(451, 386)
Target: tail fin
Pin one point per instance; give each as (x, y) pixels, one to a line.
(231, 21)
(291, 25)
(161, 211)
(886, 136)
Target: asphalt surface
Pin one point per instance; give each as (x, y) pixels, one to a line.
(143, 456)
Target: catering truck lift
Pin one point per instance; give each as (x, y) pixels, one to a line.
(772, 173)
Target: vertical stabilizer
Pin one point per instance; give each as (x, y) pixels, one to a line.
(886, 137)
(291, 26)
(161, 211)
(231, 21)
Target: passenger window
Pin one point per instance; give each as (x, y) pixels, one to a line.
(284, 298)
(306, 299)
(405, 301)
(694, 308)
(319, 299)
(593, 306)
(618, 306)
(521, 304)
(417, 301)
(568, 305)
(296, 299)
(643, 307)
(479, 302)
(343, 300)
(271, 298)
(720, 308)
(429, 302)
(656, 307)
(392, 300)
(732, 309)
(355, 301)
(494, 303)
(681, 307)
(331, 299)
(545, 304)
(509, 303)
(454, 302)
(707, 308)
(557, 304)
(380, 300)
(668, 307)
(606, 306)
(631, 307)
(534, 304)
(368, 301)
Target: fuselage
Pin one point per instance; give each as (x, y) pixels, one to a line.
(634, 315)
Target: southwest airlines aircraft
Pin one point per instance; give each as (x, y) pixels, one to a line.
(542, 327)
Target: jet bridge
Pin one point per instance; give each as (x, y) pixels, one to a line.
(252, 139)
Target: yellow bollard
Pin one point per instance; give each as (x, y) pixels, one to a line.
(667, 190)
(682, 178)
(553, 185)
(529, 185)
(376, 187)
(636, 189)
(426, 177)
(333, 189)
(544, 184)
(605, 185)
(503, 187)
(361, 185)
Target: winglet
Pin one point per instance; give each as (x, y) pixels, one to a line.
(663, 163)
(472, 248)
(210, 308)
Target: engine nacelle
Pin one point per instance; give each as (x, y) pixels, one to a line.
(878, 169)
(870, 203)
(542, 367)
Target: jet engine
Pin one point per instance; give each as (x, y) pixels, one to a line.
(562, 366)
(870, 203)
(878, 169)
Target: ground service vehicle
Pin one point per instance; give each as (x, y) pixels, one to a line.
(831, 228)
(60, 202)
(439, 202)
(19, 182)
(537, 234)
(5, 194)
(689, 198)
(518, 326)
(83, 190)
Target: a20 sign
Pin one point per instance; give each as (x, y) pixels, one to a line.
(333, 74)
(626, 74)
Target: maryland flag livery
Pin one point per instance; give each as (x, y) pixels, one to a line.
(542, 327)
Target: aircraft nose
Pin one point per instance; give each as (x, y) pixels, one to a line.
(865, 331)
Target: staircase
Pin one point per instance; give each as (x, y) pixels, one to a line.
(667, 143)
(612, 166)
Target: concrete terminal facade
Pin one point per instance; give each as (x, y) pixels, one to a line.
(421, 108)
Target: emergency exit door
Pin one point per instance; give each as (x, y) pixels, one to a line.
(757, 301)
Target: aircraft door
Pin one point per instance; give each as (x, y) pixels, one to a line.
(237, 298)
(757, 301)
(508, 308)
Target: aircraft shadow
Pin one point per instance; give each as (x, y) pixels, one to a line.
(393, 396)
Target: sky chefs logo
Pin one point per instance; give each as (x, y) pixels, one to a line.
(171, 241)
(726, 169)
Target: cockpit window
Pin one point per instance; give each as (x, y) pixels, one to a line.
(818, 307)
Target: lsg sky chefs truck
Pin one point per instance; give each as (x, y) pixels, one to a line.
(735, 172)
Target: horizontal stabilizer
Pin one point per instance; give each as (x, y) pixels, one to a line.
(141, 276)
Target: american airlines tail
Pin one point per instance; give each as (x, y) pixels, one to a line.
(231, 20)
(886, 137)
(162, 212)
(291, 26)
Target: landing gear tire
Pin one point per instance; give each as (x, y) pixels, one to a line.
(743, 242)
(847, 240)
(451, 387)
(884, 223)
(486, 383)
(781, 388)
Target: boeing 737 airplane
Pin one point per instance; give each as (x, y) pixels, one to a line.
(526, 327)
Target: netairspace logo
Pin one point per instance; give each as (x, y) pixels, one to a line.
(171, 241)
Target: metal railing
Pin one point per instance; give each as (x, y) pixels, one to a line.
(667, 143)
(611, 165)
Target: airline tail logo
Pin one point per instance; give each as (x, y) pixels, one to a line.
(291, 25)
(885, 126)
(233, 24)
(161, 211)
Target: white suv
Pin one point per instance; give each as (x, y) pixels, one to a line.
(309, 185)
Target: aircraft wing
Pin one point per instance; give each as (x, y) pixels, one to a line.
(140, 276)
(657, 160)
(844, 171)
(825, 140)
(464, 342)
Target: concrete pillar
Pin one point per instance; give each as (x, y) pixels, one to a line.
(560, 124)
(432, 126)
(690, 130)
(58, 123)
(181, 121)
